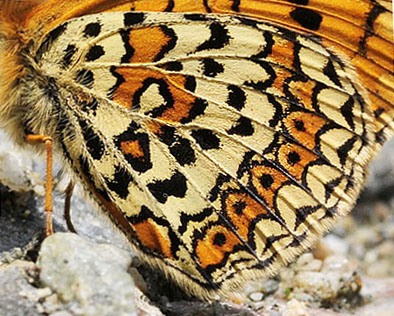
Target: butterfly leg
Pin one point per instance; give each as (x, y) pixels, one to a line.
(67, 204)
(34, 139)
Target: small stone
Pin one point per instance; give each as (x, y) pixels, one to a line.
(296, 308)
(304, 259)
(256, 296)
(13, 282)
(337, 264)
(90, 278)
(314, 265)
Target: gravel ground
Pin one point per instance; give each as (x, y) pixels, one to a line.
(350, 272)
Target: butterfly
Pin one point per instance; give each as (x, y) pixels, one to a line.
(222, 137)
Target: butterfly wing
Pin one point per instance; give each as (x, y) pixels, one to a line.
(223, 146)
(362, 31)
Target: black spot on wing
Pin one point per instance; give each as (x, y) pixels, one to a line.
(206, 139)
(236, 97)
(235, 5)
(206, 6)
(175, 186)
(219, 239)
(246, 21)
(219, 38)
(278, 110)
(183, 152)
(133, 18)
(180, 148)
(92, 29)
(243, 127)
(68, 55)
(134, 133)
(167, 135)
(299, 125)
(293, 158)
(190, 83)
(211, 68)
(307, 18)
(330, 186)
(120, 182)
(172, 66)
(239, 207)
(94, 53)
(266, 180)
(170, 6)
(302, 2)
(196, 17)
(94, 144)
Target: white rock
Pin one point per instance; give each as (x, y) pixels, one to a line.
(90, 278)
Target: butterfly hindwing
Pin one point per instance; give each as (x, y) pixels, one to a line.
(223, 145)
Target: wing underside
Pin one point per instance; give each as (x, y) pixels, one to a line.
(227, 144)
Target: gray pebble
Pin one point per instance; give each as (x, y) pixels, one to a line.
(91, 279)
(15, 290)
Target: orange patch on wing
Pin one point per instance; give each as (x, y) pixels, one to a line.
(304, 127)
(295, 158)
(381, 51)
(217, 242)
(132, 148)
(154, 127)
(242, 209)
(183, 100)
(267, 181)
(161, 5)
(147, 43)
(303, 91)
(134, 80)
(150, 5)
(152, 237)
(340, 31)
(281, 75)
(371, 74)
(282, 52)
